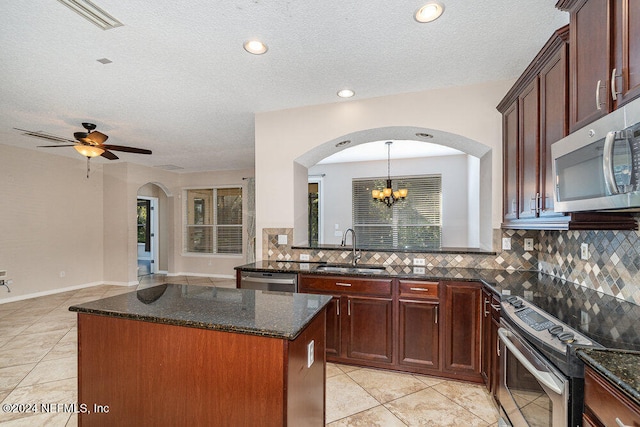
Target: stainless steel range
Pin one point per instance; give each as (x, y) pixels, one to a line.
(542, 380)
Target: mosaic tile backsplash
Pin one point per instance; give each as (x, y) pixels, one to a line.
(613, 265)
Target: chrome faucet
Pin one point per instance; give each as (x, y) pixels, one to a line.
(357, 256)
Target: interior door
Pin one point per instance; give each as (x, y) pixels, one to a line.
(147, 235)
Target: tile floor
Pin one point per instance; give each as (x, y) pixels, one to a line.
(38, 365)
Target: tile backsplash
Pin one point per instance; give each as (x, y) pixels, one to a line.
(613, 265)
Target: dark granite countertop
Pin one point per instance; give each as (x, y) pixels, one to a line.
(270, 314)
(609, 321)
(620, 368)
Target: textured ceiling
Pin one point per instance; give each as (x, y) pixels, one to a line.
(181, 84)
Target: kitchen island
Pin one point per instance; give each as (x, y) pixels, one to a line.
(202, 356)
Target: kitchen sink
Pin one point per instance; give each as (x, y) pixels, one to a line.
(360, 269)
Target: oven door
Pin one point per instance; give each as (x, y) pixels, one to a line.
(531, 391)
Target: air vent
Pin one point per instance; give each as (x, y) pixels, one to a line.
(92, 13)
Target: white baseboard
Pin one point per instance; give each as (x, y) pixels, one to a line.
(50, 292)
(216, 276)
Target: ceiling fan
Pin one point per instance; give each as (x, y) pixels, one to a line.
(89, 144)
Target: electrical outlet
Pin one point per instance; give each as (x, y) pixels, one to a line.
(304, 257)
(282, 239)
(310, 353)
(506, 243)
(418, 270)
(528, 244)
(584, 251)
(418, 261)
(337, 233)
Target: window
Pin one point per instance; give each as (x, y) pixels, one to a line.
(214, 221)
(415, 222)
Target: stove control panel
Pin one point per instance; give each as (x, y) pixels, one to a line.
(541, 324)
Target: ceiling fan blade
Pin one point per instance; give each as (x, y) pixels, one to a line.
(93, 138)
(109, 155)
(56, 146)
(44, 135)
(126, 149)
(97, 137)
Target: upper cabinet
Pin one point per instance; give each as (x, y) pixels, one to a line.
(534, 113)
(604, 57)
(565, 87)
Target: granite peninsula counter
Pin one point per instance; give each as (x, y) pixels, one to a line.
(201, 355)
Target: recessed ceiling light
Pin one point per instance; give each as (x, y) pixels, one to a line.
(255, 47)
(104, 61)
(346, 93)
(424, 135)
(345, 142)
(429, 12)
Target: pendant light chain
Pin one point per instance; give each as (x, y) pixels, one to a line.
(387, 195)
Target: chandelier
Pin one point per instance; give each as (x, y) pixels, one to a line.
(388, 196)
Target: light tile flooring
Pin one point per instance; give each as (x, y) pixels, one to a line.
(38, 350)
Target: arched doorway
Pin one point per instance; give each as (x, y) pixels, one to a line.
(152, 229)
(478, 170)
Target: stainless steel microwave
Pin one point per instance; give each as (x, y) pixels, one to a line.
(597, 168)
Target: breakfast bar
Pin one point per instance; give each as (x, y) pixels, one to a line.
(202, 355)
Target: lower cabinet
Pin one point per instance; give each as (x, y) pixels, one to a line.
(604, 405)
(419, 326)
(490, 349)
(419, 336)
(462, 333)
(360, 326)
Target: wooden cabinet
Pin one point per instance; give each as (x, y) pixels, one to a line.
(534, 117)
(418, 312)
(359, 319)
(604, 57)
(462, 335)
(605, 405)
(535, 114)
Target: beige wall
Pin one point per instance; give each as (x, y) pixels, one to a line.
(284, 136)
(51, 221)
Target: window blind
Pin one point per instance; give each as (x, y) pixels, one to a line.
(415, 222)
(214, 228)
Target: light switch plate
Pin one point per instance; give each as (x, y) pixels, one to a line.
(418, 270)
(418, 261)
(310, 353)
(506, 243)
(304, 257)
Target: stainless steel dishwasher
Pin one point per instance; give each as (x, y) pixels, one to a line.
(265, 281)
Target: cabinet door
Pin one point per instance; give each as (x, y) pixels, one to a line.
(332, 340)
(369, 329)
(529, 163)
(626, 76)
(419, 336)
(554, 97)
(510, 162)
(462, 328)
(590, 54)
(496, 358)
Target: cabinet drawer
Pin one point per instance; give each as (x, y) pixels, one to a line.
(418, 289)
(607, 403)
(344, 284)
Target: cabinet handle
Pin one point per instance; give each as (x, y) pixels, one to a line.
(620, 423)
(498, 347)
(614, 94)
(486, 312)
(343, 284)
(421, 289)
(496, 307)
(338, 308)
(598, 104)
(349, 307)
(436, 315)
(532, 203)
